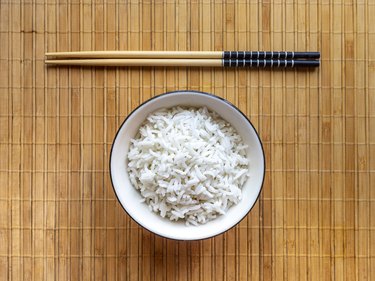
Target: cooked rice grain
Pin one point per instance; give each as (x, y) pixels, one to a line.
(188, 163)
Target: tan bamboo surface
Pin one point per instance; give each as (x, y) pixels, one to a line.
(59, 218)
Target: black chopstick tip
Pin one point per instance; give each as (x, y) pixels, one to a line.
(307, 63)
(281, 55)
(273, 63)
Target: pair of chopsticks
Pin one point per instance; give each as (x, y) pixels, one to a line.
(185, 58)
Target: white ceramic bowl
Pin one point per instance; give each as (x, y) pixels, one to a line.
(130, 198)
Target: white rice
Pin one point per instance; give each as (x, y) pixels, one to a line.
(188, 164)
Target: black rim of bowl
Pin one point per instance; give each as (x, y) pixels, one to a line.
(206, 94)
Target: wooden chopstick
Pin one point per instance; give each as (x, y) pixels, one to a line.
(183, 55)
(137, 54)
(139, 62)
(187, 62)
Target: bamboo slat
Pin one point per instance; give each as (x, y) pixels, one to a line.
(59, 217)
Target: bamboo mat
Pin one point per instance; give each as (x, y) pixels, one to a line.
(59, 219)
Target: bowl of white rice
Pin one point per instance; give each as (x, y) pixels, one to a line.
(187, 165)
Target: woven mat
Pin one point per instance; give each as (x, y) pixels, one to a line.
(59, 219)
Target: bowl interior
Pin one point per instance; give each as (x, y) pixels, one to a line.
(130, 198)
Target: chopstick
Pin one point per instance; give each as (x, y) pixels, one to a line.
(186, 62)
(185, 58)
(184, 55)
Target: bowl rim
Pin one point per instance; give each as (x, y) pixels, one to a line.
(194, 92)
